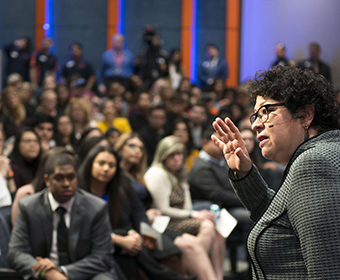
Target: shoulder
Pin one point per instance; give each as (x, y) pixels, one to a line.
(32, 199)
(155, 171)
(200, 163)
(24, 191)
(321, 155)
(89, 197)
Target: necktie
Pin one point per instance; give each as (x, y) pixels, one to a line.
(62, 238)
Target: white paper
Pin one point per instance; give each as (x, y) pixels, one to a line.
(146, 229)
(226, 223)
(160, 223)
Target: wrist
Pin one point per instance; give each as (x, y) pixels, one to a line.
(193, 214)
(10, 175)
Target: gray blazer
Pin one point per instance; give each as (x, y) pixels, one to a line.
(297, 230)
(90, 244)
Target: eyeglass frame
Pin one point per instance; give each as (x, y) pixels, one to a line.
(255, 116)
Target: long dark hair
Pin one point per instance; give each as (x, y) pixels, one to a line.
(117, 194)
(58, 137)
(17, 158)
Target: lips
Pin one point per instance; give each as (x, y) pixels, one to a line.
(262, 139)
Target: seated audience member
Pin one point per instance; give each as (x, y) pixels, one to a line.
(103, 177)
(88, 133)
(218, 87)
(38, 183)
(49, 83)
(182, 131)
(175, 68)
(78, 90)
(14, 80)
(26, 95)
(7, 184)
(13, 110)
(228, 97)
(74, 221)
(25, 156)
(43, 125)
(81, 115)
(109, 112)
(208, 100)
(243, 97)
(314, 62)
(139, 112)
(271, 172)
(197, 122)
(281, 59)
(185, 86)
(63, 94)
(156, 88)
(154, 131)
(64, 133)
(208, 180)
(166, 181)
(195, 95)
(88, 144)
(112, 135)
(76, 65)
(48, 103)
(176, 110)
(133, 161)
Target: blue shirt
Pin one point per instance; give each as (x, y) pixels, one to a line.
(114, 65)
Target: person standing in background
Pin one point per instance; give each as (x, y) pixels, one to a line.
(18, 58)
(117, 65)
(76, 65)
(213, 67)
(314, 62)
(43, 63)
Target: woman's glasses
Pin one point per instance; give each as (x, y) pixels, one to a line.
(134, 147)
(263, 113)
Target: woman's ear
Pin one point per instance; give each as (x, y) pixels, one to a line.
(307, 114)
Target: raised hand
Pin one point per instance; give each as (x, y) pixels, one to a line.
(229, 140)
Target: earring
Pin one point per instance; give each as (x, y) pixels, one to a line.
(306, 132)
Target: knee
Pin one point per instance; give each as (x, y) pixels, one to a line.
(187, 243)
(208, 228)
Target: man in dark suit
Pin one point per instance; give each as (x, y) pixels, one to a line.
(314, 62)
(74, 244)
(213, 67)
(208, 180)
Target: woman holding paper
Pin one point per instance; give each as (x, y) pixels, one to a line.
(166, 181)
(103, 177)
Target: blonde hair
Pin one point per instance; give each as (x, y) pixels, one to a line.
(138, 170)
(20, 113)
(27, 85)
(165, 148)
(83, 105)
(13, 79)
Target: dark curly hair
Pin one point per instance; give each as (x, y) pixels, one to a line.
(298, 88)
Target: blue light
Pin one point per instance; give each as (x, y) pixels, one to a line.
(193, 44)
(48, 26)
(121, 17)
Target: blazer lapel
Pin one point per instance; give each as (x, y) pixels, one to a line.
(77, 214)
(44, 209)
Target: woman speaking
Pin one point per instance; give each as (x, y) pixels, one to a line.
(296, 231)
